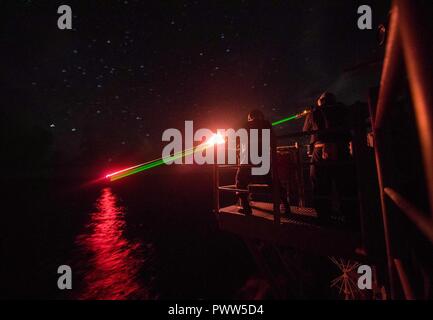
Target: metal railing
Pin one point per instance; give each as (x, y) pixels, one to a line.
(275, 176)
(408, 52)
(233, 189)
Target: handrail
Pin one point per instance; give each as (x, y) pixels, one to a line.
(407, 288)
(312, 132)
(418, 52)
(419, 218)
(391, 67)
(387, 84)
(303, 163)
(232, 188)
(408, 50)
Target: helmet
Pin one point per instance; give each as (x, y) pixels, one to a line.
(255, 115)
(327, 98)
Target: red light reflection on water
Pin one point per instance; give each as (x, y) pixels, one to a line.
(115, 261)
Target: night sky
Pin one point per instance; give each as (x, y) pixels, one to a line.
(128, 70)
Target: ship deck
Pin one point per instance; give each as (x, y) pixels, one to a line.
(300, 230)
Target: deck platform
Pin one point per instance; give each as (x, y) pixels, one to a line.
(299, 231)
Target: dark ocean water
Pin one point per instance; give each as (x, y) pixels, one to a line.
(148, 236)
